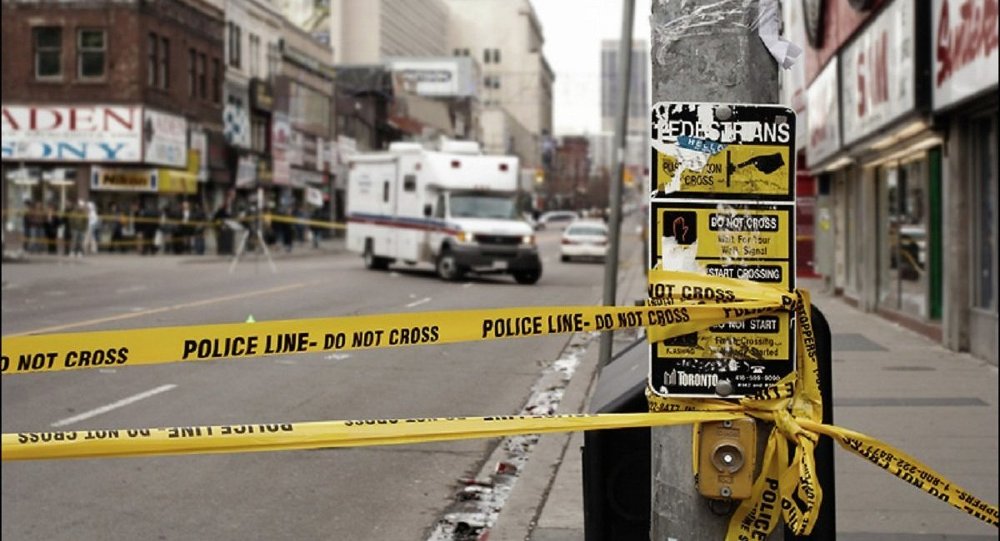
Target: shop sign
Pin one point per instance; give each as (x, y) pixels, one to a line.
(261, 96)
(165, 138)
(177, 181)
(236, 116)
(246, 171)
(307, 150)
(72, 133)
(878, 75)
(964, 50)
(264, 171)
(321, 154)
(199, 149)
(124, 180)
(823, 116)
(281, 134)
(314, 197)
(433, 78)
(302, 177)
(216, 151)
(744, 152)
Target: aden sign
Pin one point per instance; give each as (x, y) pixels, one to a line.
(72, 133)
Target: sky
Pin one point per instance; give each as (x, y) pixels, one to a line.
(573, 31)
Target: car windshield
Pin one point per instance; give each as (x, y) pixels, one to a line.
(483, 205)
(593, 230)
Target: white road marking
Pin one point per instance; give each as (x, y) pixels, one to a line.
(131, 289)
(419, 302)
(337, 356)
(467, 284)
(121, 403)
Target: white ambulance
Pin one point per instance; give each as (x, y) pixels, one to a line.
(454, 208)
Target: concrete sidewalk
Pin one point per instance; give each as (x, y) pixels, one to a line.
(889, 383)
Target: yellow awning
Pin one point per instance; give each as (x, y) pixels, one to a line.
(176, 181)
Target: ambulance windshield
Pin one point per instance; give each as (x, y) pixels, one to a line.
(483, 205)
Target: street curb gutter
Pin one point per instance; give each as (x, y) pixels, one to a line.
(527, 500)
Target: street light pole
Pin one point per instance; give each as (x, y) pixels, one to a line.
(614, 220)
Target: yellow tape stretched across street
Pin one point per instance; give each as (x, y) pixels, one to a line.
(315, 435)
(680, 303)
(100, 349)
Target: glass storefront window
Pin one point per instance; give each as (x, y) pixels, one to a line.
(903, 254)
(984, 171)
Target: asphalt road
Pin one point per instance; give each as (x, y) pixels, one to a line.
(395, 492)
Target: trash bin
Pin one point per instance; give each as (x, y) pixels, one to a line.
(616, 463)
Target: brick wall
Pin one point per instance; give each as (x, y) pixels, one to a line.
(186, 24)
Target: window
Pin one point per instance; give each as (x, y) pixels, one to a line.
(486, 56)
(164, 63)
(409, 183)
(254, 58)
(496, 56)
(90, 53)
(153, 62)
(202, 76)
(234, 45)
(273, 54)
(48, 51)
(192, 57)
(216, 81)
(258, 133)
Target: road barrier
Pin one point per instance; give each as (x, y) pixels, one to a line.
(678, 304)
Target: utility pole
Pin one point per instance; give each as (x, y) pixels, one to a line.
(702, 51)
(621, 129)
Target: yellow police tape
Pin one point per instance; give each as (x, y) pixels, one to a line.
(679, 303)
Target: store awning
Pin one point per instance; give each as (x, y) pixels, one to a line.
(176, 181)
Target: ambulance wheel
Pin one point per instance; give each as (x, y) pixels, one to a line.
(372, 261)
(447, 268)
(527, 277)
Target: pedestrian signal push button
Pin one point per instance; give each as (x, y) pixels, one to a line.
(726, 458)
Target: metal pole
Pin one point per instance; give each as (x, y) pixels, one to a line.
(704, 51)
(621, 127)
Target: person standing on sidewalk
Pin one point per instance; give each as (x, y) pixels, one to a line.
(91, 241)
(51, 226)
(78, 228)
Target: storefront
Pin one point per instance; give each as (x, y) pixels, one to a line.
(964, 88)
(895, 195)
(827, 164)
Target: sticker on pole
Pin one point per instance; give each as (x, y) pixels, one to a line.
(723, 151)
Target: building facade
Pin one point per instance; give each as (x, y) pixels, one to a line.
(302, 126)
(899, 139)
(516, 75)
(113, 102)
(370, 31)
(611, 97)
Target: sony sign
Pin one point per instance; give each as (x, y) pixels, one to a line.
(72, 133)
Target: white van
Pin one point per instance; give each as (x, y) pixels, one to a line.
(455, 209)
